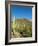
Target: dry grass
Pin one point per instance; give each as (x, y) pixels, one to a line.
(21, 28)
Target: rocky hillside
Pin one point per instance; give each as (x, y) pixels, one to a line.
(23, 27)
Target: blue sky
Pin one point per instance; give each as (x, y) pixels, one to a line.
(21, 12)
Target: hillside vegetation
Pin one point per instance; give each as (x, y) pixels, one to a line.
(21, 28)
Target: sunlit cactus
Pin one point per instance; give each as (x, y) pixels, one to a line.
(14, 23)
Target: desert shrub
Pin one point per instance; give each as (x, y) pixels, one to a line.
(25, 30)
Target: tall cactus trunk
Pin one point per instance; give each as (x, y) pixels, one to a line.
(13, 25)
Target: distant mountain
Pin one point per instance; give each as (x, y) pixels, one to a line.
(23, 21)
(29, 20)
